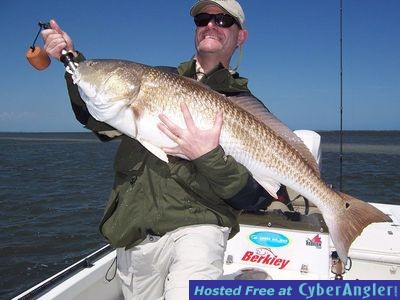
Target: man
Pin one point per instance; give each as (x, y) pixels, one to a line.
(170, 221)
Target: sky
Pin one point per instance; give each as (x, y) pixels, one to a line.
(291, 57)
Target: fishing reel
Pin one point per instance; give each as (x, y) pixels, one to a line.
(39, 59)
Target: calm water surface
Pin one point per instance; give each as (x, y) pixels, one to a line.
(53, 188)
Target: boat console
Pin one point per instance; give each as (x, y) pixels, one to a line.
(279, 245)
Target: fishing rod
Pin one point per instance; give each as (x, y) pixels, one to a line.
(341, 97)
(39, 59)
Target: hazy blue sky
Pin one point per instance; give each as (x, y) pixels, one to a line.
(291, 56)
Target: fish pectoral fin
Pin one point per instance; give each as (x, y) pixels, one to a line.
(157, 151)
(270, 185)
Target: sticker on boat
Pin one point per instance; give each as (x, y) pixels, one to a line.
(269, 239)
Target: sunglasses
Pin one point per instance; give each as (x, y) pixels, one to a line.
(221, 20)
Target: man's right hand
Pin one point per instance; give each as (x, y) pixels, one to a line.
(56, 40)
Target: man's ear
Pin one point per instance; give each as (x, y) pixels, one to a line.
(242, 37)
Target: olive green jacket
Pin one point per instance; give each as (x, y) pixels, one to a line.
(151, 196)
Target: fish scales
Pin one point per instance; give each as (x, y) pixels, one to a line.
(246, 129)
(130, 96)
(279, 156)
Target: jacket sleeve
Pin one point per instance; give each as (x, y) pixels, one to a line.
(102, 130)
(231, 181)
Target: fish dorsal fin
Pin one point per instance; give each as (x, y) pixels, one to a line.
(257, 109)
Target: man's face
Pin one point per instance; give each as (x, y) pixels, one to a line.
(212, 39)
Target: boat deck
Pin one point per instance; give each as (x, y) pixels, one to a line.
(271, 245)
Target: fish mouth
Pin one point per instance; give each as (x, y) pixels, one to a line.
(76, 77)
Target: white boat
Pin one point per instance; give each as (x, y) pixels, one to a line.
(269, 246)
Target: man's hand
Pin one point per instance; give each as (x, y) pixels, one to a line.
(56, 40)
(192, 141)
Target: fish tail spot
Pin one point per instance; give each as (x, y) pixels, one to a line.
(356, 217)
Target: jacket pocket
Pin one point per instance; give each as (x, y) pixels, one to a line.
(123, 218)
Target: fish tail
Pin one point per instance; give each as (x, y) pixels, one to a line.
(357, 215)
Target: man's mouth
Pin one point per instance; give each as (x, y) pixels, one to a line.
(211, 37)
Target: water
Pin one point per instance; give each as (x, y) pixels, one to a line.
(53, 188)
(371, 164)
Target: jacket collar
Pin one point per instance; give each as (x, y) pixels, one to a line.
(219, 79)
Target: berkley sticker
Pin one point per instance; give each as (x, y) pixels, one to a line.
(269, 239)
(265, 256)
(314, 242)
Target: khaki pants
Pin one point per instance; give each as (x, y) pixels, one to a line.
(161, 267)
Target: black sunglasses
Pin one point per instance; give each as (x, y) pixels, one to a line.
(221, 20)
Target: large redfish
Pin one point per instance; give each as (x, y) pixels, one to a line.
(130, 97)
